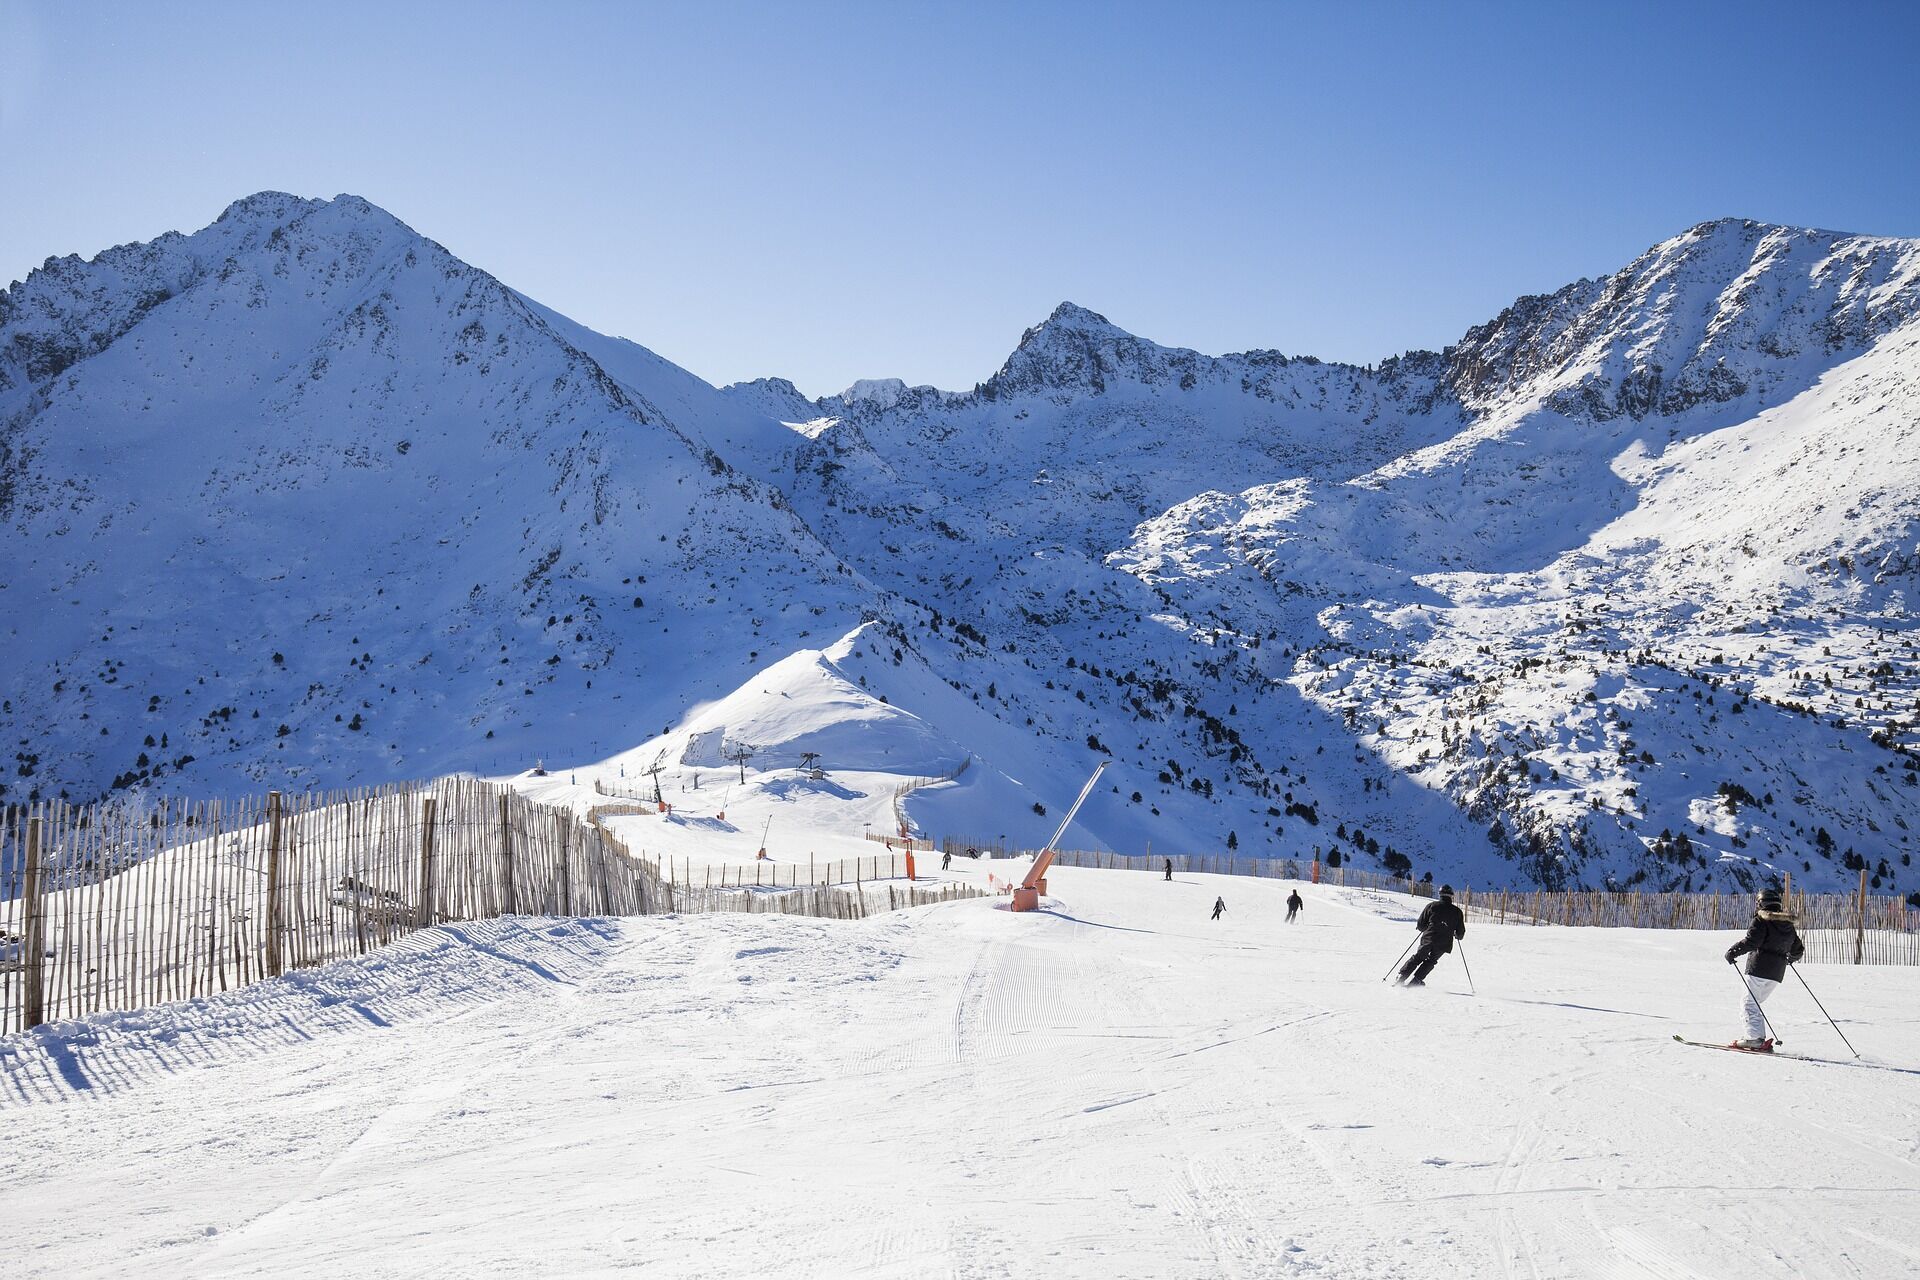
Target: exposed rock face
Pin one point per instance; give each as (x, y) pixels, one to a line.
(1730, 310)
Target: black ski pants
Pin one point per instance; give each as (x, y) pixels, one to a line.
(1421, 964)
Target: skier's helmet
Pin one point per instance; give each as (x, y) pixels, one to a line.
(1446, 892)
(1770, 900)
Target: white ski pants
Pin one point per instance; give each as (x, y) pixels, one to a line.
(1758, 989)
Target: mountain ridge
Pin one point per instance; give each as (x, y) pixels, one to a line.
(1291, 600)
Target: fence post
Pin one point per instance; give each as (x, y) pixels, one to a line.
(508, 905)
(273, 884)
(423, 914)
(566, 870)
(1860, 921)
(33, 943)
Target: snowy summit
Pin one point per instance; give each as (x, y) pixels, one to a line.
(1614, 591)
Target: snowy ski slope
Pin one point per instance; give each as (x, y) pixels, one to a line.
(1116, 1088)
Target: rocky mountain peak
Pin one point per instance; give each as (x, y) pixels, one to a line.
(880, 392)
(1075, 351)
(274, 207)
(1071, 316)
(777, 398)
(1729, 310)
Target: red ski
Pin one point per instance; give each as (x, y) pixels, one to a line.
(1799, 1057)
(1768, 1052)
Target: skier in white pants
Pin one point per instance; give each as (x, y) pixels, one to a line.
(1772, 943)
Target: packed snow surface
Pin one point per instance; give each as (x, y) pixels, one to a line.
(1115, 1087)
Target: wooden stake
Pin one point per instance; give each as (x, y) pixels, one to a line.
(423, 911)
(33, 939)
(273, 884)
(1860, 918)
(510, 905)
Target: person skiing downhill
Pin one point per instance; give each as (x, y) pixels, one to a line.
(1219, 907)
(1294, 903)
(1169, 874)
(1440, 925)
(1773, 944)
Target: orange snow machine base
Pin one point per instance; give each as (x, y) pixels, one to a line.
(1027, 896)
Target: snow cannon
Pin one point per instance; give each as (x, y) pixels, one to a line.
(1026, 897)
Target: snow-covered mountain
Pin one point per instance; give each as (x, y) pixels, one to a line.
(1613, 590)
(304, 497)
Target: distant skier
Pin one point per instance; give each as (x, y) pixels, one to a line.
(1219, 907)
(946, 860)
(1294, 903)
(1774, 944)
(1169, 874)
(1440, 925)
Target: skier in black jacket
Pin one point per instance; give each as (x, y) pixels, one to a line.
(1773, 943)
(1294, 903)
(1169, 874)
(1439, 924)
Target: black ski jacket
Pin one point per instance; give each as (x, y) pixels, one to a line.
(1440, 923)
(1773, 943)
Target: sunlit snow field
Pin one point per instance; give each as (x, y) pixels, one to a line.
(1115, 1088)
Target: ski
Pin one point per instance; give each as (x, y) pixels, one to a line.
(1734, 1048)
(1798, 1057)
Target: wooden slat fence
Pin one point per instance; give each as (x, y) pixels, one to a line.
(117, 907)
(1839, 928)
(1229, 864)
(919, 844)
(989, 846)
(900, 793)
(770, 873)
(838, 902)
(621, 791)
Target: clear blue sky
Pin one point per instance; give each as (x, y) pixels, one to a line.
(837, 191)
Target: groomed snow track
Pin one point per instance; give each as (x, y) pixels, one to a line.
(1116, 1087)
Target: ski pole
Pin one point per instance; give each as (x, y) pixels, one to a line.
(1829, 1017)
(1397, 963)
(1468, 968)
(1765, 1020)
